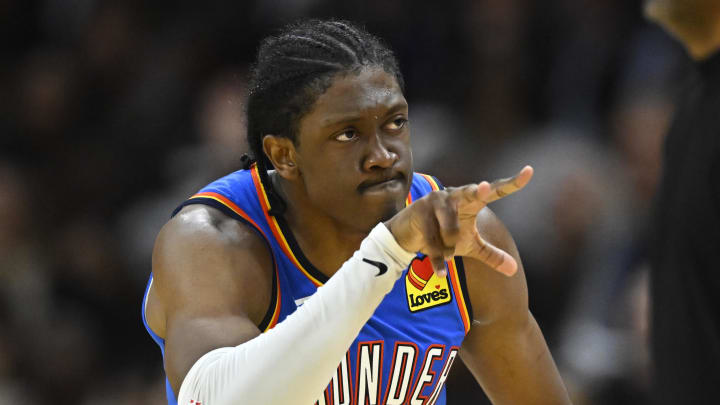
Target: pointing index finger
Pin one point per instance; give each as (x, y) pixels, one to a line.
(504, 187)
(486, 193)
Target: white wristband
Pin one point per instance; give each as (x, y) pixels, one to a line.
(294, 362)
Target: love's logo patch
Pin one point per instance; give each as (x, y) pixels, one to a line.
(425, 289)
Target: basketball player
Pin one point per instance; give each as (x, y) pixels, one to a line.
(304, 285)
(684, 278)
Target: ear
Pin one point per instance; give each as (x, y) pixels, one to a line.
(281, 152)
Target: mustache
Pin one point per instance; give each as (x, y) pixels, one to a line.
(381, 179)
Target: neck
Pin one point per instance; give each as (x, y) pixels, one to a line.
(323, 240)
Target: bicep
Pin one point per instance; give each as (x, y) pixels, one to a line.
(213, 278)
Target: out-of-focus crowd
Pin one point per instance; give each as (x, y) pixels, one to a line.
(113, 112)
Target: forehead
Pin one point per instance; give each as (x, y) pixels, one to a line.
(371, 90)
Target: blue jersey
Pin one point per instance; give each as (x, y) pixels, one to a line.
(404, 352)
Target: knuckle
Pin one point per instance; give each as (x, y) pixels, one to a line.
(430, 201)
(438, 195)
(423, 205)
(484, 252)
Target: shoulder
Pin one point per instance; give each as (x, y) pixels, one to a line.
(203, 232)
(212, 283)
(495, 296)
(204, 258)
(197, 224)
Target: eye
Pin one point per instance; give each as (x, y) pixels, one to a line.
(347, 136)
(397, 124)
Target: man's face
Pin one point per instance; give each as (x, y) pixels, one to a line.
(353, 149)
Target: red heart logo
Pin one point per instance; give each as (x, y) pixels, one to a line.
(437, 286)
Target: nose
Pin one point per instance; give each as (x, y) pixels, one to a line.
(379, 156)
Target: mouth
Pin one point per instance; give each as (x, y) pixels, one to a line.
(384, 183)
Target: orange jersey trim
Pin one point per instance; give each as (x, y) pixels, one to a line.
(234, 208)
(459, 297)
(275, 227)
(433, 183)
(430, 180)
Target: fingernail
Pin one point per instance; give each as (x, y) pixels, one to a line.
(508, 266)
(442, 273)
(482, 187)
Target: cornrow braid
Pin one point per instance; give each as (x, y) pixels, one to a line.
(292, 70)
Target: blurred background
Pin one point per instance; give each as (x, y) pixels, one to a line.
(113, 112)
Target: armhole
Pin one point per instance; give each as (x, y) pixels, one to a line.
(457, 275)
(160, 341)
(272, 314)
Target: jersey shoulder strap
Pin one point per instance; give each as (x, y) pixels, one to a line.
(422, 184)
(240, 196)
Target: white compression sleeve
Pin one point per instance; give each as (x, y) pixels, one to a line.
(294, 362)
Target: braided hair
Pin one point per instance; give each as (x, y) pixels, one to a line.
(292, 70)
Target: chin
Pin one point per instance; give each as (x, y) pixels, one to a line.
(380, 207)
(388, 214)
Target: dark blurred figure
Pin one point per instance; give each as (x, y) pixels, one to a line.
(684, 277)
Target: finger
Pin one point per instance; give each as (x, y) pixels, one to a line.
(434, 247)
(495, 258)
(475, 195)
(439, 267)
(504, 187)
(464, 194)
(448, 225)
